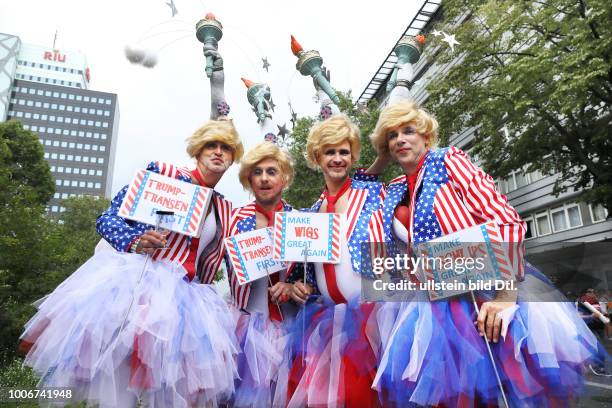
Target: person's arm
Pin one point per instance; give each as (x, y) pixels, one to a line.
(125, 235)
(218, 105)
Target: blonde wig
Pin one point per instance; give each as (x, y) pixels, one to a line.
(332, 131)
(216, 131)
(399, 114)
(263, 151)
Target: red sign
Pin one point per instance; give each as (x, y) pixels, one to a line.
(87, 75)
(54, 56)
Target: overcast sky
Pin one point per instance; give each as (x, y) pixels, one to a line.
(161, 107)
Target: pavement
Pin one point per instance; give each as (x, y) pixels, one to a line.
(598, 392)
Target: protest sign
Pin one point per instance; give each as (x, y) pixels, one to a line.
(251, 255)
(150, 192)
(312, 235)
(472, 259)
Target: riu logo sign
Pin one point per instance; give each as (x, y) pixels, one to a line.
(54, 56)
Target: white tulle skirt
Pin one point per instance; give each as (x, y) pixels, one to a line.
(114, 340)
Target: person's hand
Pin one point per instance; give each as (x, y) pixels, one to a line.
(489, 320)
(381, 162)
(281, 292)
(212, 51)
(300, 292)
(150, 241)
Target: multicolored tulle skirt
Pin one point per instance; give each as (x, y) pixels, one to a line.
(262, 344)
(331, 358)
(114, 341)
(434, 355)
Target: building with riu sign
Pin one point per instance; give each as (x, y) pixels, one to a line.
(47, 89)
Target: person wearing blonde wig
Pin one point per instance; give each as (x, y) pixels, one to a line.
(339, 361)
(260, 306)
(435, 354)
(142, 324)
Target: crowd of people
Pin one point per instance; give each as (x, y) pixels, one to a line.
(305, 336)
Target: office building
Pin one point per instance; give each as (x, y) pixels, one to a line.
(77, 126)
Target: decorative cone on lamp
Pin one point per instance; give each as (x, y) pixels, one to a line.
(209, 32)
(309, 64)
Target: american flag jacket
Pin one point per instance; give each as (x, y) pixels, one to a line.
(453, 194)
(243, 220)
(120, 233)
(365, 224)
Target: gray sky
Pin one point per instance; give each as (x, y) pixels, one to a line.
(161, 107)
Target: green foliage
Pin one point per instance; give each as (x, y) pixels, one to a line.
(79, 223)
(15, 375)
(308, 183)
(37, 253)
(543, 71)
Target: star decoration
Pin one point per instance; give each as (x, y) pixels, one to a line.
(266, 64)
(172, 8)
(437, 33)
(282, 130)
(450, 40)
(272, 105)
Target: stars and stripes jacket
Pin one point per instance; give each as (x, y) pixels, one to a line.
(243, 220)
(120, 233)
(453, 194)
(365, 224)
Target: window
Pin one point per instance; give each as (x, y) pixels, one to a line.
(64, 144)
(62, 157)
(86, 99)
(98, 185)
(79, 98)
(74, 183)
(92, 172)
(102, 148)
(64, 95)
(82, 184)
(105, 124)
(565, 217)
(558, 219)
(89, 184)
(67, 183)
(71, 97)
(94, 100)
(56, 94)
(56, 195)
(36, 116)
(58, 182)
(38, 104)
(56, 143)
(598, 213)
(530, 233)
(60, 169)
(77, 109)
(69, 169)
(98, 172)
(543, 223)
(46, 155)
(573, 216)
(90, 123)
(100, 160)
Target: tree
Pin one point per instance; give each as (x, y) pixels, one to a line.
(540, 70)
(25, 186)
(78, 228)
(308, 183)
